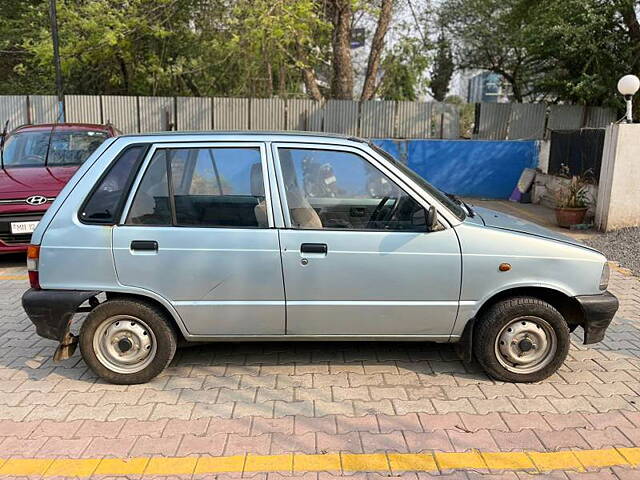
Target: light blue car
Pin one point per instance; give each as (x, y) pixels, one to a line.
(287, 236)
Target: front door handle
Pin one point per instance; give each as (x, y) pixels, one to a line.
(313, 248)
(150, 245)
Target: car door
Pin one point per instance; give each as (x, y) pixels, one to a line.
(357, 256)
(197, 229)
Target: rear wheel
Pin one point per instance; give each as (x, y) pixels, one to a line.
(521, 339)
(127, 341)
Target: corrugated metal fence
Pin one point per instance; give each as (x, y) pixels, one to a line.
(535, 121)
(369, 119)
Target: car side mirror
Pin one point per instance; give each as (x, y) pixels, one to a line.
(432, 218)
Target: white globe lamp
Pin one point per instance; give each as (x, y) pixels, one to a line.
(628, 86)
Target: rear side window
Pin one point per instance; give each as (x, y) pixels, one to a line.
(209, 187)
(105, 202)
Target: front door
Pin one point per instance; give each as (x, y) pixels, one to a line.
(357, 256)
(197, 231)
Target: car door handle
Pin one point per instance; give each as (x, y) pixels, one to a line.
(144, 245)
(313, 248)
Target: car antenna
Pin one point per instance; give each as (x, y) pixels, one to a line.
(4, 136)
(53, 128)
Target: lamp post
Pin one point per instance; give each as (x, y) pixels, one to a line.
(56, 59)
(628, 86)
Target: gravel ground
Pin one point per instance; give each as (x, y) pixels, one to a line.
(622, 246)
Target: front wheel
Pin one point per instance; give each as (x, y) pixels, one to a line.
(521, 339)
(127, 341)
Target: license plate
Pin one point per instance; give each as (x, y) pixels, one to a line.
(23, 227)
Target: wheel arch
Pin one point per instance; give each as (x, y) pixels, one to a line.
(175, 324)
(568, 307)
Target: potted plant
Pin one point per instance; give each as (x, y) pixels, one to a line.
(572, 201)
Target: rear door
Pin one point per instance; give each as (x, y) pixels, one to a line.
(357, 256)
(198, 230)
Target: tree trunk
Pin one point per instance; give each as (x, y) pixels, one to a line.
(627, 10)
(375, 54)
(342, 78)
(282, 81)
(269, 80)
(516, 89)
(311, 82)
(125, 74)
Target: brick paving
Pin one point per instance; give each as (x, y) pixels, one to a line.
(272, 398)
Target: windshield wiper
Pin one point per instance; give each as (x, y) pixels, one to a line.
(459, 201)
(4, 136)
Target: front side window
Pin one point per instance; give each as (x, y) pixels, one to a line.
(328, 189)
(205, 187)
(106, 200)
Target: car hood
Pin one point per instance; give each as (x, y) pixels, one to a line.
(25, 181)
(495, 219)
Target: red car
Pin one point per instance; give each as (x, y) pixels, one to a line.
(36, 161)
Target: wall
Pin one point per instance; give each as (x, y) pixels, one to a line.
(471, 168)
(619, 191)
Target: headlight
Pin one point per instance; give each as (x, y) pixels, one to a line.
(604, 278)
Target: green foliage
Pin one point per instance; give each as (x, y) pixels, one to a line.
(443, 68)
(569, 50)
(162, 47)
(403, 67)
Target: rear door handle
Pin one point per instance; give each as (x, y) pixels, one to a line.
(144, 245)
(314, 248)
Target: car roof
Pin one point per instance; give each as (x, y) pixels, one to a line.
(252, 134)
(63, 126)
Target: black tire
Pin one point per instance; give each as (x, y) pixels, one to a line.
(154, 318)
(501, 314)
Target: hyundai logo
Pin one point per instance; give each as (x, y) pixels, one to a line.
(36, 200)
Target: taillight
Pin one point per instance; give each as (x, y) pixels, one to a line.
(33, 256)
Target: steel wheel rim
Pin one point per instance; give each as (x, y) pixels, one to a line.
(124, 344)
(525, 345)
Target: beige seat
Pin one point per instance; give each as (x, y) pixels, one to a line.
(302, 213)
(257, 190)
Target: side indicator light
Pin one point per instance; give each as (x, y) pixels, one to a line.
(504, 267)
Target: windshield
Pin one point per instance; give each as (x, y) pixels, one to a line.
(455, 208)
(68, 147)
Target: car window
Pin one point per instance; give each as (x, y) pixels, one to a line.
(151, 203)
(106, 200)
(57, 148)
(212, 187)
(329, 189)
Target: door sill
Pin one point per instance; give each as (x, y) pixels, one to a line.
(320, 338)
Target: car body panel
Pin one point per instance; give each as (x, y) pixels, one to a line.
(383, 299)
(535, 262)
(495, 219)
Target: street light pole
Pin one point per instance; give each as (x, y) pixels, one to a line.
(56, 59)
(628, 86)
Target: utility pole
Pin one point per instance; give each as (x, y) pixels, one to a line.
(56, 59)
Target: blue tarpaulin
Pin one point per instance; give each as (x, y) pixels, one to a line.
(471, 168)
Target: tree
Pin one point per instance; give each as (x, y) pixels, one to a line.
(569, 51)
(443, 68)
(375, 54)
(403, 68)
(490, 36)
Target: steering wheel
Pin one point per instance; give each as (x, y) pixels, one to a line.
(376, 212)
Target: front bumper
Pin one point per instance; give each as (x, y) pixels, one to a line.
(12, 242)
(51, 311)
(598, 311)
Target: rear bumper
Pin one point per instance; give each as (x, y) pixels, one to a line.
(598, 311)
(51, 311)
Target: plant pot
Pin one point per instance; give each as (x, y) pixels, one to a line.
(570, 216)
